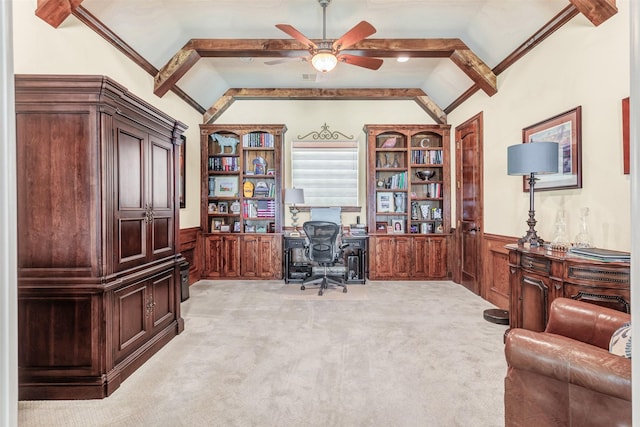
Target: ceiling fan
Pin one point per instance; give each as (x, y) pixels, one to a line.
(326, 54)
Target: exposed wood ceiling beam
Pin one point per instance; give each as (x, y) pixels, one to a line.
(54, 12)
(417, 95)
(195, 49)
(596, 11)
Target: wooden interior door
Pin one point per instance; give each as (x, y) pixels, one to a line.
(469, 202)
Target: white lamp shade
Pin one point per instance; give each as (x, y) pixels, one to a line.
(533, 157)
(293, 196)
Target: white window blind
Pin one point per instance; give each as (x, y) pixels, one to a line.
(327, 172)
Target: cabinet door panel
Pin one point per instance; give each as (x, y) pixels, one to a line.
(162, 195)
(163, 298)
(131, 232)
(231, 256)
(534, 297)
(420, 258)
(251, 257)
(382, 253)
(401, 257)
(129, 317)
(437, 258)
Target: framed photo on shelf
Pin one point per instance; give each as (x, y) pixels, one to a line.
(385, 201)
(226, 186)
(225, 228)
(381, 226)
(398, 225)
(565, 129)
(223, 207)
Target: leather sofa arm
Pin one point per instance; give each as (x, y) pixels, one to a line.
(570, 361)
(586, 322)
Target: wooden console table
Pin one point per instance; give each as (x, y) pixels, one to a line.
(538, 276)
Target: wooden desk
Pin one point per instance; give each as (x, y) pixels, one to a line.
(297, 267)
(538, 276)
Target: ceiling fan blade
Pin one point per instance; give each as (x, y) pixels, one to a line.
(285, 60)
(360, 32)
(361, 61)
(297, 35)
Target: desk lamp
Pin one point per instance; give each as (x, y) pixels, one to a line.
(531, 159)
(291, 197)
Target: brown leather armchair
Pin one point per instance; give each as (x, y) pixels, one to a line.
(566, 376)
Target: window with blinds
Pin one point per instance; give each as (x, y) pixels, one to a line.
(327, 172)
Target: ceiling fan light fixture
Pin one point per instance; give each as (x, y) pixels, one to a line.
(324, 61)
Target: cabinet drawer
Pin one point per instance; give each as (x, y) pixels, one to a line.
(355, 243)
(533, 263)
(294, 243)
(611, 277)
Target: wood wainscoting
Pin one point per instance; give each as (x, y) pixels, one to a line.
(190, 248)
(495, 270)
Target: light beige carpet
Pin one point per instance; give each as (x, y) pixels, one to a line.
(409, 354)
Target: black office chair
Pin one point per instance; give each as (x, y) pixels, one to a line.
(323, 247)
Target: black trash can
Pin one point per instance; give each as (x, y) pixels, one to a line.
(184, 281)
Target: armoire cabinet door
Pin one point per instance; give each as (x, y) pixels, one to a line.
(131, 219)
(144, 183)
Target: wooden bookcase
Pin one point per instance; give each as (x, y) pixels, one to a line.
(241, 200)
(408, 201)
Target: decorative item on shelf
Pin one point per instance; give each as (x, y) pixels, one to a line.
(426, 211)
(440, 228)
(583, 239)
(381, 226)
(261, 189)
(436, 213)
(212, 208)
(223, 207)
(249, 228)
(235, 207)
(390, 142)
(414, 210)
(236, 227)
(399, 199)
(293, 196)
(530, 159)
(396, 162)
(425, 142)
(387, 163)
(271, 172)
(426, 175)
(248, 189)
(225, 228)
(225, 141)
(560, 239)
(259, 166)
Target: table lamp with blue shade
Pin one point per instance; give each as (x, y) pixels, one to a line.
(531, 159)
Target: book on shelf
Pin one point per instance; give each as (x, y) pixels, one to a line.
(600, 254)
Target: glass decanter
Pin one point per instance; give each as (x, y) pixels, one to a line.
(583, 239)
(560, 239)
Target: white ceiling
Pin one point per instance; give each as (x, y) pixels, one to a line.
(157, 29)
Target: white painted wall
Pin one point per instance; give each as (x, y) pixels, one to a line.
(578, 65)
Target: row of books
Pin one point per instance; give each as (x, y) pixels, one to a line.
(426, 157)
(397, 181)
(226, 164)
(434, 190)
(258, 139)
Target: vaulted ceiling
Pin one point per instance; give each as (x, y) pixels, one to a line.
(211, 52)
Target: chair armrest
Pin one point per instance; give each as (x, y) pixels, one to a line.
(586, 322)
(570, 361)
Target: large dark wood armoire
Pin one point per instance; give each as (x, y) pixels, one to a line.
(98, 265)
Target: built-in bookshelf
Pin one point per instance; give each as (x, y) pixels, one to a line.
(242, 176)
(408, 201)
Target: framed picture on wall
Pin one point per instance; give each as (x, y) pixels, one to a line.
(182, 187)
(565, 129)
